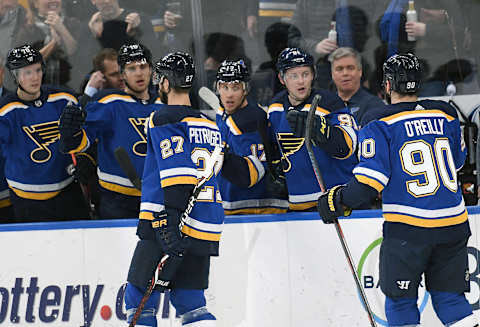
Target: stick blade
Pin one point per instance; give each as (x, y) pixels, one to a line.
(127, 166)
(209, 97)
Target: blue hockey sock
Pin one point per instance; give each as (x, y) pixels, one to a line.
(402, 311)
(450, 307)
(133, 296)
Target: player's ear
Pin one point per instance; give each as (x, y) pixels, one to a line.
(280, 78)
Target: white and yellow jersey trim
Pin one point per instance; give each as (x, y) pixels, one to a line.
(12, 106)
(179, 175)
(117, 184)
(255, 206)
(303, 201)
(425, 217)
(62, 96)
(38, 191)
(371, 177)
(116, 97)
(416, 114)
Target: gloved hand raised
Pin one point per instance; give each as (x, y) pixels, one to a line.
(298, 124)
(330, 205)
(71, 120)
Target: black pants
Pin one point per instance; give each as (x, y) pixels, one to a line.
(67, 205)
(116, 206)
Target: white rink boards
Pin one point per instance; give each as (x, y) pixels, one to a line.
(274, 271)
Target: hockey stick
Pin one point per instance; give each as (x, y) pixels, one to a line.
(318, 175)
(127, 166)
(204, 177)
(85, 190)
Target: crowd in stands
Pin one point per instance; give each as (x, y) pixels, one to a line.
(80, 42)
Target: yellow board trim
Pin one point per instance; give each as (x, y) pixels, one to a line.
(302, 206)
(120, 189)
(35, 196)
(200, 235)
(5, 203)
(275, 13)
(179, 180)
(254, 211)
(370, 182)
(253, 172)
(420, 222)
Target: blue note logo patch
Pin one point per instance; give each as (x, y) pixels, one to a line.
(289, 144)
(42, 135)
(139, 147)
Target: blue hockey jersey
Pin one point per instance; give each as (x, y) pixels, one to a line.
(303, 190)
(412, 153)
(239, 131)
(115, 119)
(34, 167)
(180, 140)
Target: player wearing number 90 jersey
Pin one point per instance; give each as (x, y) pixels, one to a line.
(411, 151)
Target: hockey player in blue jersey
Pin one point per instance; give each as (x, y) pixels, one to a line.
(411, 151)
(238, 121)
(35, 170)
(115, 118)
(334, 131)
(180, 140)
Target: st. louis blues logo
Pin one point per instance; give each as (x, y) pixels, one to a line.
(43, 135)
(289, 145)
(139, 147)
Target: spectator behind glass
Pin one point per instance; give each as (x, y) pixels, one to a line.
(56, 37)
(314, 18)
(112, 26)
(265, 83)
(232, 17)
(346, 75)
(12, 18)
(439, 35)
(105, 75)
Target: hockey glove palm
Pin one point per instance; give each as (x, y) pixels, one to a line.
(298, 124)
(71, 120)
(330, 205)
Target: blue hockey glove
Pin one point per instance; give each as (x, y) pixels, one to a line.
(330, 205)
(298, 124)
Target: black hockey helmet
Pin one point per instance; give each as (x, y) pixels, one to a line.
(404, 73)
(23, 56)
(233, 71)
(132, 52)
(293, 57)
(177, 67)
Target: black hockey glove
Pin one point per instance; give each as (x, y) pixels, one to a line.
(275, 182)
(330, 205)
(167, 232)
(70, 127)
(71, 120)
(298, 124)
(172, 242)
(85, 168)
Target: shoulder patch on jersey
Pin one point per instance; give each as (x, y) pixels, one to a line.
(12, 106)
(319, 111)
(275, 107)
(416, 114)
(61, 96)
(116, 97)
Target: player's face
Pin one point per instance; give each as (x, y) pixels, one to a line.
(137, 76)
(232, 96)
(45, 6)
(30, 78)
(346, 74)
(112, 74)
(298, 81)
